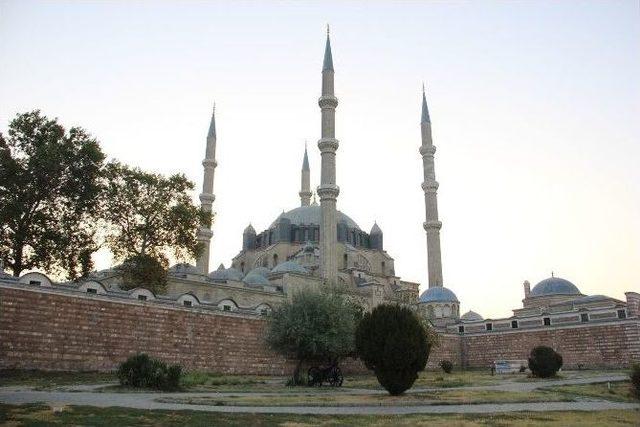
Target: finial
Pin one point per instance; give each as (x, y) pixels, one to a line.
(423, 86)
(552, 274)
(327, 30)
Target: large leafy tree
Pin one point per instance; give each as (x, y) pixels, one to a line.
(314, 326)
(50, 182)
(149, 217)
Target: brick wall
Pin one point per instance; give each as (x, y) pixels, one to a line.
(42, 329)
(607, 345)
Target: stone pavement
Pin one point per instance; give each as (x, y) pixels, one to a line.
(84, 396)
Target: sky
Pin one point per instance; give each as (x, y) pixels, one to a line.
(534, 106)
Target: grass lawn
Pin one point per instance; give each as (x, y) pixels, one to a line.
(49, 379)
(436, 379)
(619, 391)
(40, 415)
(444, 397)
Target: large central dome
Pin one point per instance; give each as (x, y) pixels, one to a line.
(306, 215)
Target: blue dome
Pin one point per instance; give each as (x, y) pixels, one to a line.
(184, 268)
(311, 215)
(438, 294)
(255, 279)
(226, 274)
(289, 267)
(554, 286)
(471, 316)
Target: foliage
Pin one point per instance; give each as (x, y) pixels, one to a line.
(142, 371)
(145, 271)
(392, 342)
(148, 214)
(544, 362)
(313, 326)
(50, 182)
(635, 380)
(446, 366)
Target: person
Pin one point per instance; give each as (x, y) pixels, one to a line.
(493, 368)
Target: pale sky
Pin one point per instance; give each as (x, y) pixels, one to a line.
(535, 109)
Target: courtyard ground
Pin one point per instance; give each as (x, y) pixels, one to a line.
(461, 398)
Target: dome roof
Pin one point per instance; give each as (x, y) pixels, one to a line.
(375, 229)
(6, 276)
(255, 279)
(311, 215)
(438, 294)
(554, 286)
(289, 267)
(226, 274)
(184, 268)
(471, 316)
(262, 271)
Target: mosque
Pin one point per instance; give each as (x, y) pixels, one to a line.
(315, 245)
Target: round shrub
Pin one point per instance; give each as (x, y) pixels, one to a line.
(635, 380)
(446, 366)
(392, 342)
(544, 362)
(142, 371)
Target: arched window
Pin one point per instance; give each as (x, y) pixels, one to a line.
(275, 259)
(345, 261)
(382, 265)
(242, 266)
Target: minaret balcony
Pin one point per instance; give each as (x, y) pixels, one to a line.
(207, 198)
(328, 145)
(204, 234)
(427, 150)
(430, 186)
(328, 101)
(432, 225)
(209, 163)
(328, 191)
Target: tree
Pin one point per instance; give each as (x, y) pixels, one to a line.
(149, 216)
(145, 271)
(393, 342)
(544, 362)
(50, 182)
(313, 326)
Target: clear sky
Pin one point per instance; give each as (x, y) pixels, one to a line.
(535, 109)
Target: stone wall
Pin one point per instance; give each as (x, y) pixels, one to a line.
(53, 330)
(614, 345)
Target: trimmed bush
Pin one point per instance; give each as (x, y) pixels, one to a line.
(544, 362)
(142, 371)
(393, 343)
(446, 366)
(635, 380)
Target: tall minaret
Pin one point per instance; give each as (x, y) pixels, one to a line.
(207, 197)
(328, 190)
(430, 187)
(305, 186)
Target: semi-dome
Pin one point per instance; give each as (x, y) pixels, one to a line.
(255, 279)
(262, 271)
(305, 215)
(289, 267)
(554, 286)
(438, 294)
(471, 316)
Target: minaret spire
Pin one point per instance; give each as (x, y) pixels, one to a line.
(207, 197)
(430, 187)
(305, 185)
(328, 190)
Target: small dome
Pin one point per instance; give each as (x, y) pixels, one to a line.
(375, 229)
(289, 267)
(554, 286)
(226, 274)
(471, 316)
(249, 229)
(438, 294)
(255, 279)
(184, 268)
(262, 271)
(6, 276)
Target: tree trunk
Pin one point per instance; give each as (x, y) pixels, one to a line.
(296, 373)
(17, 260)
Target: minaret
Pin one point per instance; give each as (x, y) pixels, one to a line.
(430, 187)
(305, 186)
(328, 190)
(207, 197)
